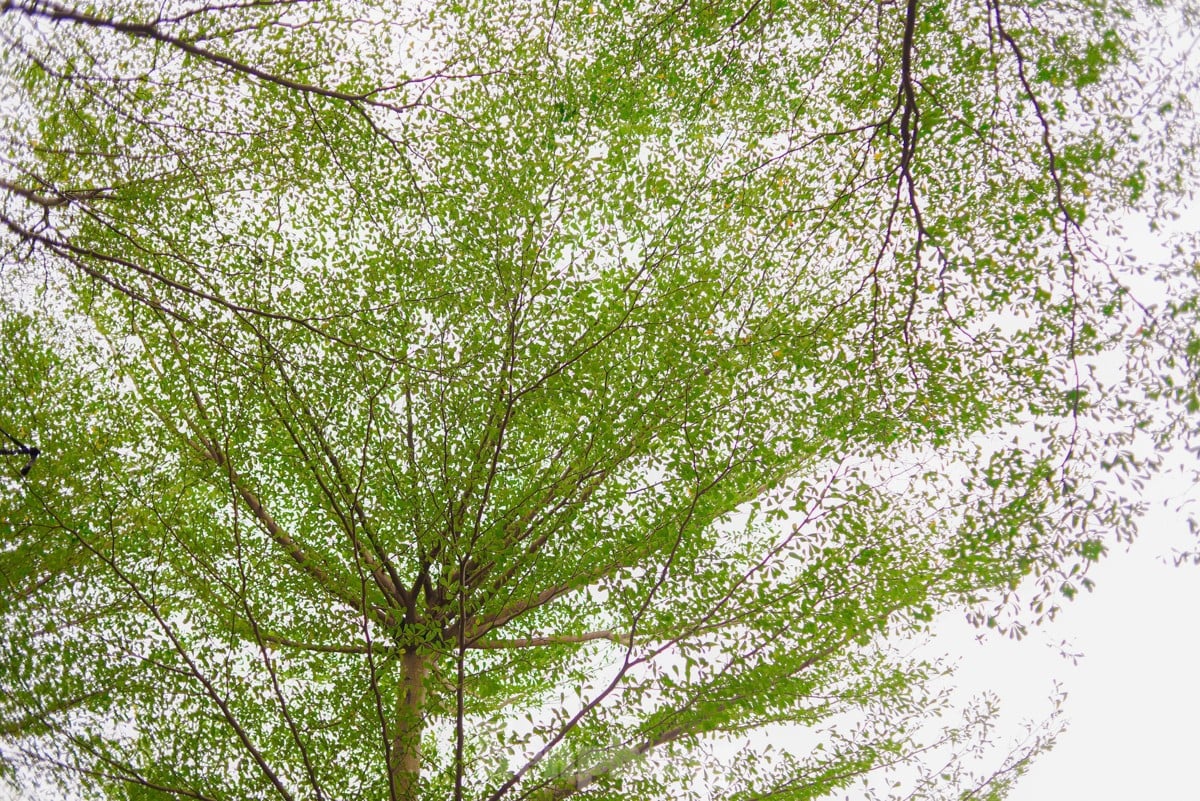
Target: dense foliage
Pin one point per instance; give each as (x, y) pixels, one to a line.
(513, 399)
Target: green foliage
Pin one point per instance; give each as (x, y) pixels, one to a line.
(523, 400)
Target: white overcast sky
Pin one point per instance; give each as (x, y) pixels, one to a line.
(1133, 698)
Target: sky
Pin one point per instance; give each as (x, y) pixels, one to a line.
(1133, 697)
(1133, 691)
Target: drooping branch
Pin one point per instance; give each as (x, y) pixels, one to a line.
(80, 257)
(149, 30)
(907, 99)
(1070, 221)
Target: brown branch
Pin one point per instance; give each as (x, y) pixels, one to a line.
(551, 503)
(149, 30)
(60, 197)
(564, 787)
(298, 554)
(628, 662)
(192, 669)
(908, 97)
(381, 568)
(268, 660)
(277, 640)
(224, 7)
(37, 720)
(76, 255)
(1069, 220)
(477, 628)
(207, 448)
(551, 639)
(124, 772)
(580, 780)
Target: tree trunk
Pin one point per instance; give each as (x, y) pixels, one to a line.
(404, 761)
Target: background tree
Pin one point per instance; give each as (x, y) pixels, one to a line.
(519, 400)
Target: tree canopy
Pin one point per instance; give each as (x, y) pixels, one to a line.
(528, 400)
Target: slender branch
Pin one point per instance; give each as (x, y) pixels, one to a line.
(580, 780)
(551, 639)
(76, 254)
(293, 549)
(193, 669)
(120, 771)
(381, 567)
(280, 641)
(478, 628)
(37, 720)
(148, 30)
(267, 658)
(208, 449)
(59, 198)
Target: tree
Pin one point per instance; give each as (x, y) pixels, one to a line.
(520, 400)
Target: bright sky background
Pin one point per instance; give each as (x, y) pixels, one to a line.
(1133, 695)
(1133, 701)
